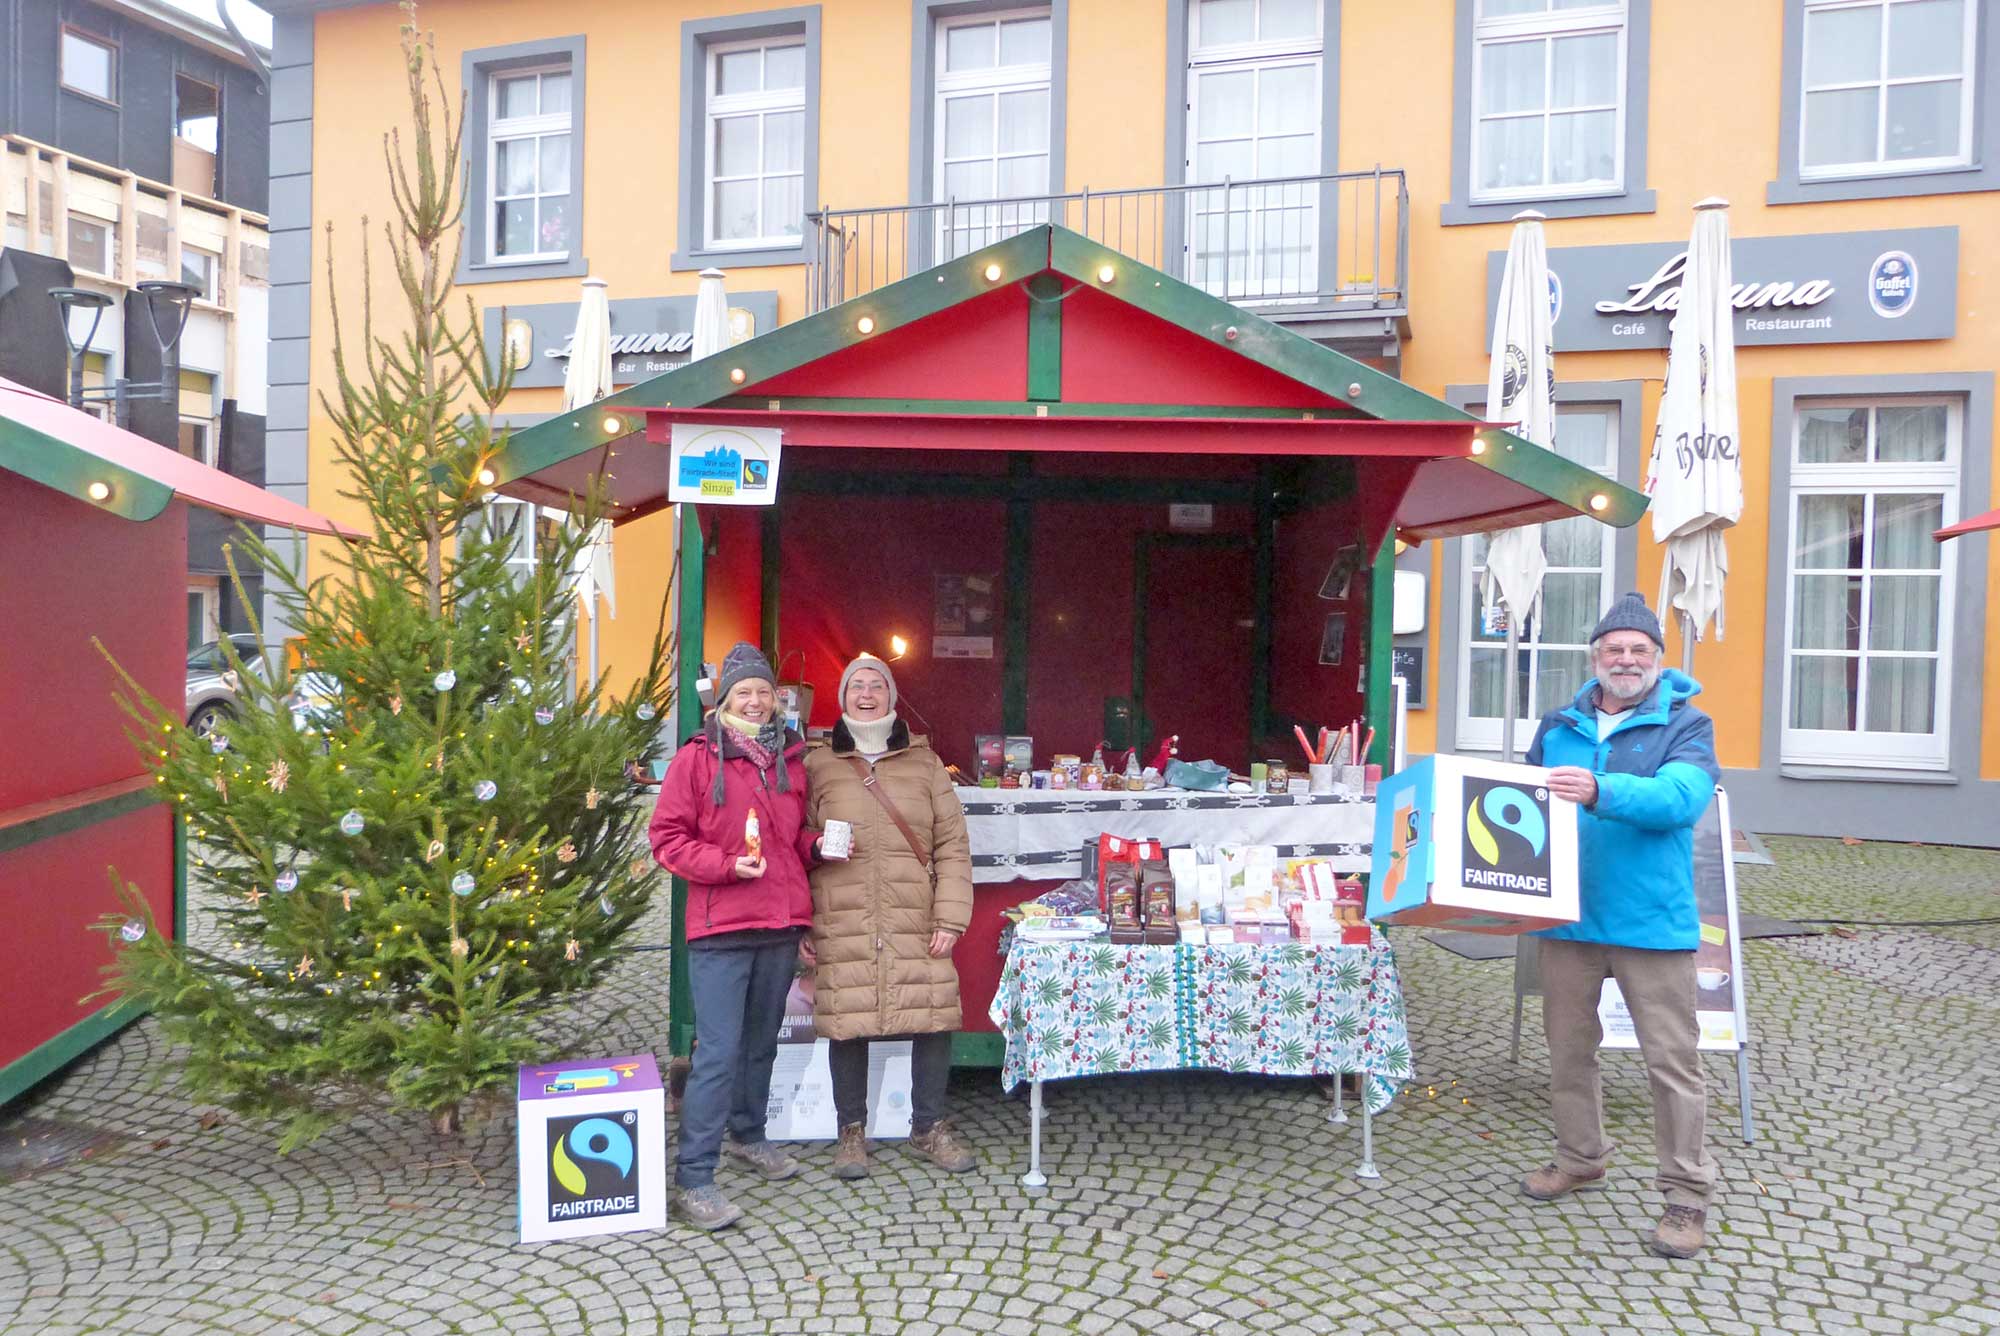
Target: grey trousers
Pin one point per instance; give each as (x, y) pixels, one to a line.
(1659, 991)
(739, 1003)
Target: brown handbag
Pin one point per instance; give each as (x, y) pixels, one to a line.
(867, 774)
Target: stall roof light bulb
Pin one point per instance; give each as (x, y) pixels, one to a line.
(736, 375)
(1598, 501)
(100, 491)
(1105, 273)
(1478, 445)
(612, 426)
(486, 477)
(992, 273)
(899, 645)
(866, 324)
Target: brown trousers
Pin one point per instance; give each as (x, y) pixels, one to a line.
(1659, 991)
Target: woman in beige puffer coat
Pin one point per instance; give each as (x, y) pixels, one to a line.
(886, 918)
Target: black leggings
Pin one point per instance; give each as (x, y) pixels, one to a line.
(930, 1066)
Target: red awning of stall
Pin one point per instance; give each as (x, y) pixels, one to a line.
(1990, 520)
(1050, 342)
(45, 439)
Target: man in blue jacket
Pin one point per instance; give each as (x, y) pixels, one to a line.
(1639, 760)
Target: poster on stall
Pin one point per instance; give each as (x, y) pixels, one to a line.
(963, 628)
(1718, 960)
(727, 466)
(801, 1107)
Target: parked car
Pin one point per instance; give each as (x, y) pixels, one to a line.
(212, 688)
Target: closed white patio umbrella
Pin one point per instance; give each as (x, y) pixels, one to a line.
(1695, 476)
(587, 379)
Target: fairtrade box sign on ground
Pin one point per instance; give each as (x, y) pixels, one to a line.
(1479, 846)
(592, 1148)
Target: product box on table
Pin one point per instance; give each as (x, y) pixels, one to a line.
(1479, 846)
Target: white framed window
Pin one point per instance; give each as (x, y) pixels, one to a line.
(1548, 98)
(1868, 592)
(90, 244)
(97, 376)
(1254, 115)
(199, 439)
(1553, 660)
(1886, 86)
(199, 270)
(89, 65)
(991, 119)
(531, 529)
(528, 165)
(756, 149)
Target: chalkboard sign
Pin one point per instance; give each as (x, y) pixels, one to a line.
(1718, 961)
(1407, 662)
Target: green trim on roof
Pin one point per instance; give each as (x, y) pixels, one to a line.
(1373, 393)
(56, 463)
(1045, 294)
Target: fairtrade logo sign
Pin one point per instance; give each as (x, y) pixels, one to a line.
(1506, 837)
(1892, 284)
(726, 465)
(593, 1166)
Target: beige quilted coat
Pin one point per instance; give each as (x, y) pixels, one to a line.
(873, 915)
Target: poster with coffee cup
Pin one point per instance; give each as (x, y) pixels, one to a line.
(1718, 957)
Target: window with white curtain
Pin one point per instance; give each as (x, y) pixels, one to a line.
(992, 126)
(1548, 98)
(528, 165)
(1254, 117)
(1886, 86)
(756, 154)
(1553, 661)
(1868, 591)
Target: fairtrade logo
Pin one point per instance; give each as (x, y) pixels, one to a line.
(1507, 831)
(597, 1139)
(592, 1166)
(1514, 376)
(1892, 284)
(1510, 810)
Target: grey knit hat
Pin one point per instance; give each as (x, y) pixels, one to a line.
(866, 661)
(1630, 613)
(743, 662)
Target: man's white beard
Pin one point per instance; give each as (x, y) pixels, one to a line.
(1622, 687)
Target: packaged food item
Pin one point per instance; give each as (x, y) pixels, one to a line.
(753, 839)
(1122, 902)
(1260, 865)
(1058, 778)
(1277, 777)
(1018, 755)
(1070, 767)
(1194, 934)
(1231, 858)
(989, 752)
(1208, 891)
(1156, 893)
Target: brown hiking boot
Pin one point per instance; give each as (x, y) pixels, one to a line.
(850, 1157)
(1552, 1181)
(940, 1144)
(1681, 1232)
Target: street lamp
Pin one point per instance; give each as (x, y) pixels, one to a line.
(167, 308)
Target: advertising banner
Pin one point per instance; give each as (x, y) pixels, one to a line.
(801, 1107)
(592, 1148)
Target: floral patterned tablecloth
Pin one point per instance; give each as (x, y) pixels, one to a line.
(1092, 1008)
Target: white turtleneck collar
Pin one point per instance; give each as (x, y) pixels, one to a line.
(871, 736)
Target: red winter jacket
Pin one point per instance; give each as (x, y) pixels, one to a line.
(695, 839)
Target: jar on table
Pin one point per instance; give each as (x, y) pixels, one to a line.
(1277, 777)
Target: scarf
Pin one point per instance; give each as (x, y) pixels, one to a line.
(871, 736)
(763, 745)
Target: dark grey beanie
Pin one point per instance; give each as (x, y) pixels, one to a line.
(1630, 613)
(744, 661)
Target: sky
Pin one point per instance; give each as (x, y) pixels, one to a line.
(254, 22)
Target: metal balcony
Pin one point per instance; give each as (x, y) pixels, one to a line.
(1327, 255)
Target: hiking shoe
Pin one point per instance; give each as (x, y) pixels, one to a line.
(766, 1158)
(1681, 1232)
(1552, 1181)
(705, 1207)
(940, 1144)
(850, 1157)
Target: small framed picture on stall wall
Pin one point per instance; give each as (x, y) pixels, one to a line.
(1339, 581)
(1333, 639)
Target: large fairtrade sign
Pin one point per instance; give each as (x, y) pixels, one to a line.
(592, 1148)
(1826, 287)
(1479, 846)
(724, 466)
(650, 336)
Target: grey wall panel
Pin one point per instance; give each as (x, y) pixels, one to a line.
(291, 203)
(287, 403)
(288, 362)
(245, 170)
(292, 93)
(34, 103)
(291, 145)
(291, 312)
(146, 94)
(291, 41)
(31, 343)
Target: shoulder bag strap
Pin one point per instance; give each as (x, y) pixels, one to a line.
(867, 774)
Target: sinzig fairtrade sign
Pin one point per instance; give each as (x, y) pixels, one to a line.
(1827, 287)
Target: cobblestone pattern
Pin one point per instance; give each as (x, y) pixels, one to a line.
(1178, 1204)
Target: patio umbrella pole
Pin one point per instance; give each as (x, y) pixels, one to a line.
(1687, 644)
(1510, 710)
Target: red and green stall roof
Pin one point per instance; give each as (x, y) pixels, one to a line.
(1048, 341)
(63, 448)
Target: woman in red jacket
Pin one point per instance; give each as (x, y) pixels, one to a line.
(731, 821)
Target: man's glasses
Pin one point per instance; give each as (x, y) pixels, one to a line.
(1637, 653)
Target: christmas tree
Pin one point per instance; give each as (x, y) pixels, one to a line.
(419, 842)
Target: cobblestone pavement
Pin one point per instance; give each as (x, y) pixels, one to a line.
(1870, 1201)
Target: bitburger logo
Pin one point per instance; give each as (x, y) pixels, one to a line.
(1514, 376)
(593, 1170)
(1506, 837)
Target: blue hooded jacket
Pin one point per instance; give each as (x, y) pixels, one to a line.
(1635, 846)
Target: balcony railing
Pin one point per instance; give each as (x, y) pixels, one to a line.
(1303, 245)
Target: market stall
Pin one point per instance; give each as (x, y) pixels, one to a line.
(1097, 507)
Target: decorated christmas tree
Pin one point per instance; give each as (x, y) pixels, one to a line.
(418, 839)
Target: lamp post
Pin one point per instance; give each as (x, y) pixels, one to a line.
(167, 307)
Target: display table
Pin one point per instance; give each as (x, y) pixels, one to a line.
(1039, 834)
(1093, 1008)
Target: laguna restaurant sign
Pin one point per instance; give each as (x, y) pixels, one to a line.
(649, 335)
(1827, 287)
